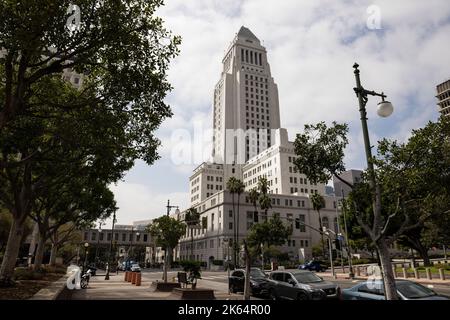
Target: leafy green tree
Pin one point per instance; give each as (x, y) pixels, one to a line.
(166, 232)
(318, 203)
(121, 52)
(272, 232)
(399, 195)
(192, 219)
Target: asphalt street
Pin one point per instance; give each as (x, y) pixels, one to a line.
(219, 281)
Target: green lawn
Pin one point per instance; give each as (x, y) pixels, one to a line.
(433, 269)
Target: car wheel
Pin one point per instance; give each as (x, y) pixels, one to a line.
(302, 296)
(272, 295)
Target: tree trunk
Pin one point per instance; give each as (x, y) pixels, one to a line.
(192, 244)
(234, 231)
(39, 253)
(247, 273)
(237, 232)
(166, 263)
(321, 234)
(11, 252)
(386, 271)
(421, 249)
(53, 254)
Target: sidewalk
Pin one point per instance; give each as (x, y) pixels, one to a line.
(117, 289)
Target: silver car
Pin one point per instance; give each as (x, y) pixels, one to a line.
(374, 290)
(301, 285)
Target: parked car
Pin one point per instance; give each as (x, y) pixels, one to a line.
(126, 265)
(374, 290)
(301, 285)
(313, 265)
(135, 267)
(258, 282)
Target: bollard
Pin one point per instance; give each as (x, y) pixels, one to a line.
(428, 272)
(133, 278)
(441, 274)
(358, 272)
(138, 279)
(405, 274)
(130, 275)
(416, 273)
(126, 276)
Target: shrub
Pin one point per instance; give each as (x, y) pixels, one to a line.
(28, 274)
(191, 266)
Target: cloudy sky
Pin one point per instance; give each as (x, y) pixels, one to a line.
(402, 47)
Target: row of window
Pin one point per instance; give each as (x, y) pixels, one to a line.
(256, 78)
(303, 190)
(211, 178)
(101, 237)
(252, 57)
(211, 187)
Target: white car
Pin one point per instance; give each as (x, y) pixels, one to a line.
(135, 267)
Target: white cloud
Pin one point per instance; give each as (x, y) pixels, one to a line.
(142, 202)
(312, 46)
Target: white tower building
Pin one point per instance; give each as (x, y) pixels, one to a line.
(245, 98)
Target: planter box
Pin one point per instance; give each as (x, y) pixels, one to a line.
(164, 287)
(192, 294)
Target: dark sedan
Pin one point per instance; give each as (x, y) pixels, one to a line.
(313, 265)
(374, 290)
(258, 282)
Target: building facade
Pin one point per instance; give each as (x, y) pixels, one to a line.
(276, 164)
(351, 176)
(443, 95)
(245, 98)
(212, 240)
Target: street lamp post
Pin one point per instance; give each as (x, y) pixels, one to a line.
(98, 244)
(138, 254)
(328, 232)
(86, 246)
(349, 250)
(131, 245)
(167, 254)
(110, 248)
(384, 110)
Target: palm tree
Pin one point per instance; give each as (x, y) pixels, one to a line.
(318, 203)
(265, 203)
(253, 196)
(264, 200)
(192, 219)
(231, 187)
(239, 189)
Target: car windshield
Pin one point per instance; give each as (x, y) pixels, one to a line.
(257, 273)
(414, 291)
(307, 277)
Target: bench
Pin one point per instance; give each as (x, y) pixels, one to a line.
(183, 279)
